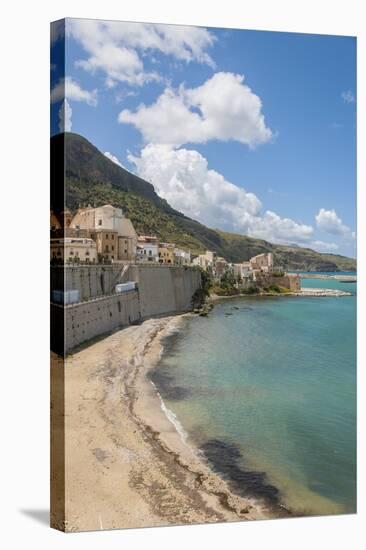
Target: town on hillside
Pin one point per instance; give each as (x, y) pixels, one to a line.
(104, 235)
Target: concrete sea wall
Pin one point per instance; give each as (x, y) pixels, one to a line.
(160, 290)
(164, 289)
(91, 281)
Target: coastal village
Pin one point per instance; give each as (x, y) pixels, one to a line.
(105, 236)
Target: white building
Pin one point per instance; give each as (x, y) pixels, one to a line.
(181, 257)
(147, 249)
(206, 260)
(243, 270)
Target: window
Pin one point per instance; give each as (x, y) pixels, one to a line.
(87, 253)
(99, 222)
(150, 252)
(112, 247)
(106, 248)
(107, 236)
(112, 237)
(71, 252)
(125, 250)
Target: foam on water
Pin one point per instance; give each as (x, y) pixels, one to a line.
(171, 417)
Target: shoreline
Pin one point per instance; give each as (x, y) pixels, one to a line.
(313, 292)
(128, 464)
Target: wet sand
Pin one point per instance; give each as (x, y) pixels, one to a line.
(126, 465)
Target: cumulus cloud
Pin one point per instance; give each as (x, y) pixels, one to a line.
(183, 178)
(64, 116)
(113, 158)
(222, 108)
(117, 48)
(272, 227)
(330, 222)
(68, 88)
(348, 96)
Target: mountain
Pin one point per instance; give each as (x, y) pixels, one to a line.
(91, 178)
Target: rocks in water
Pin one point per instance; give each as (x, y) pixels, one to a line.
(204, 310)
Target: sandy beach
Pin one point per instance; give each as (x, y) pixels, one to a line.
(126, 464)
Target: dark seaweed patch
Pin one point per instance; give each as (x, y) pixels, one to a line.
(224, 459)
(165, 383)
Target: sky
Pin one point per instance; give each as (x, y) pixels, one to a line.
(252, 132)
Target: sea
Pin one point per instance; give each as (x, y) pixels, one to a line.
(265, 389)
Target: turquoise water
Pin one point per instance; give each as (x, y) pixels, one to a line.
(266, 387)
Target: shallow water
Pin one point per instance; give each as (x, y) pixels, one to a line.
(266, 387)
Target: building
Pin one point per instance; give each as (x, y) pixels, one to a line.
(166, 253)
(147, 249)
(55, 224)
(262, 262)
(113, 233)
(221, 267)
(242, 271)
(106, 242)
(206, 261)
(60, 221)
(73, 250)
(181, 257)
(127, 241)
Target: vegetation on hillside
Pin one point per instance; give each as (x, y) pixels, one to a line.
(91, 178)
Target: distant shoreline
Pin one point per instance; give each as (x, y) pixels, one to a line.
(314, 292)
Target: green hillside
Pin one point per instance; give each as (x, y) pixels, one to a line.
(91, 178)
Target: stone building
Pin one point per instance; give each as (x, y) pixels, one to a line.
(73, 250)
(262, 262)
(106, 242)
(127, 241)
(166, 253)
(221, 267)
(113, 233)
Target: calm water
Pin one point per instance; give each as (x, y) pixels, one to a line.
(266, 387)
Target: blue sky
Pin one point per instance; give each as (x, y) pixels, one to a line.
(247, 131)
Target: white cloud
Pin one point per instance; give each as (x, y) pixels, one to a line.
(69, 89)
(113, 158)
(328, 221)
(348, 96)
(222, 108)
(272, 227)
(64, 116)
(117, 48)
(183, 178)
